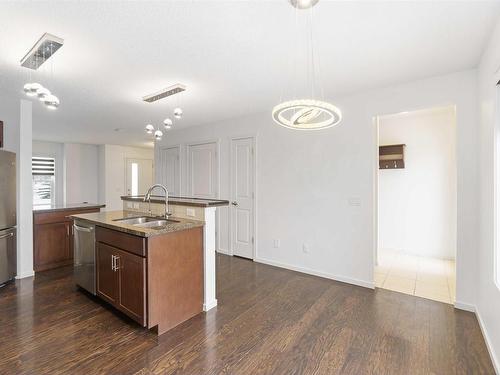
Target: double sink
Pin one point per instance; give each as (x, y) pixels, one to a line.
(147, 222)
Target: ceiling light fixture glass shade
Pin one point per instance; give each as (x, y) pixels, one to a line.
(31, 88)
(178, 113)
(158, 135)
(42, 93)
(51, 101)
(150, 128)
(303, 4)
(306, 114)
(167, 123)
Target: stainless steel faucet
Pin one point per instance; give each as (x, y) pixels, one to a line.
(147, 198)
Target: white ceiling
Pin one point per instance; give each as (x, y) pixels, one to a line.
(234, 56)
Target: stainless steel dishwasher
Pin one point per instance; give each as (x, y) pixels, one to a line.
(84, 255)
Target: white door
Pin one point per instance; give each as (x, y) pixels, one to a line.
(242, 196)
(171, 168)
(202, 170)
(139, 176)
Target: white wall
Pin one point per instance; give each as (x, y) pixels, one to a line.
(81, 173)
(417, 204)
(112, 161)
(488, 293)
(56, 151)
(306, 179)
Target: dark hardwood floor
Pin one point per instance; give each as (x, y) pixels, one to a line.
(269, 321)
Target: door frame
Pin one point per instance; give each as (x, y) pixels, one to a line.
(179, 165)
(375, 190)
(125, 162)
(232, 189)
(188, 192)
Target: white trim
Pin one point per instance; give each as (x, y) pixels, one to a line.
(24, 275)
(465, 306)
(224, 251)
(253, 137)
(494, 359)
(209, 305)
(496, 208)
(344, 279)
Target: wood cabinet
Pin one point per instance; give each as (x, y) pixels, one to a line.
(157, 281)
(53, 238)
(121, 280)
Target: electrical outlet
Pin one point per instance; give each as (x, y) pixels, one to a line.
(129, 204)
(305, 248)
(276, 244)
(190, 212)
(136, 206)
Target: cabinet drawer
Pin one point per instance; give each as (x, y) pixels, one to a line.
(121, 240)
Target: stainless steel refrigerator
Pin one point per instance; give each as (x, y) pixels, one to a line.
(8, 252)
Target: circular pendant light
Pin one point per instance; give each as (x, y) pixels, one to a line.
(306, 114)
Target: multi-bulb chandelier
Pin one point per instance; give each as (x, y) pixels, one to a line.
(301, 113)
(41, 51)
(168, 122)
(167, 125)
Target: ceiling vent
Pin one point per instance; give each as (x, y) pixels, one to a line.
(43, 49)
(168, 91)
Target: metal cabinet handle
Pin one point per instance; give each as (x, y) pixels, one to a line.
(6, 235)
(113, 262)
(117, 263)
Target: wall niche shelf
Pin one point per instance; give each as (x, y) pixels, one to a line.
(391, 157)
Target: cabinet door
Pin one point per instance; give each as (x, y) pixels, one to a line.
(52, 245)
(132, 285)
(107, 281)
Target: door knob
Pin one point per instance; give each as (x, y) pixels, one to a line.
(234, 203)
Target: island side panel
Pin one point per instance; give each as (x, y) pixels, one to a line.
(209, 300)
(175, 278)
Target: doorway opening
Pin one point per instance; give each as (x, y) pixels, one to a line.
(417, 203)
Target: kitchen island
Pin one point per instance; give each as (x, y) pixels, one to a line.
(148, 267)
(202, 209)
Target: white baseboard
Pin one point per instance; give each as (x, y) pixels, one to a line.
(209, 305)
(24, 275)
(465, 306)
(223, 251)
(494, 359)
(344, 279)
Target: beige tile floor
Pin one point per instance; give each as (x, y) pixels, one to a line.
(425, 277)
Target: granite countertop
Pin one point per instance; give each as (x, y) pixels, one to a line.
(183, 201)
(108, 220)
(66, 207)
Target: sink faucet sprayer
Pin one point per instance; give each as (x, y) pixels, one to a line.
(147, 198)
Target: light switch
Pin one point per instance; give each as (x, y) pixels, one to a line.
(354, 201)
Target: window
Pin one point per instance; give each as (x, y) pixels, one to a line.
(43, 172)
